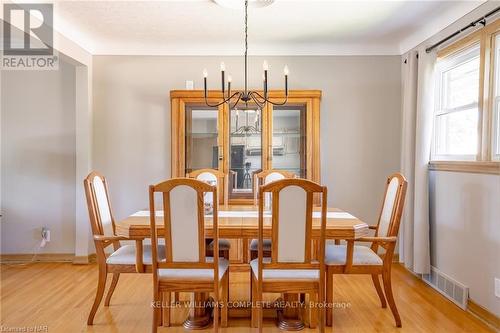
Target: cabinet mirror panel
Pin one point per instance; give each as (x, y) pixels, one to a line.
(202, 138)
(289, 139)
(245, 141)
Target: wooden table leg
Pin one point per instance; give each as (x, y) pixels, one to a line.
(288, 318)
(199, 315)
(139, 265)
(246, 253)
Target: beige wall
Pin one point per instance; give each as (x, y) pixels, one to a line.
(38, 159)
(360, 120)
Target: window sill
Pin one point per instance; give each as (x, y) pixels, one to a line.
(489, 167)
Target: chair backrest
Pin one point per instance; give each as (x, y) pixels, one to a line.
(98, 203)
(266, 177)
(183, 223)
(392, 206)
(212, 177)
(292, 223)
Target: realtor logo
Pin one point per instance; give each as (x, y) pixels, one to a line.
(28, 37)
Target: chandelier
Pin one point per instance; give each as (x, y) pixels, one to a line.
(246, 128)
(245, 96)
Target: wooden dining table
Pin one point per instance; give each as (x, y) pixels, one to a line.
(241, 222)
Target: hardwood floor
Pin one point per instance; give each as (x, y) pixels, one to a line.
(59, 296)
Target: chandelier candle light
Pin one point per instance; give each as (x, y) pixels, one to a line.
(245, 95)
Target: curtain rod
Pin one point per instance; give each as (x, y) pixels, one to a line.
(481, 20)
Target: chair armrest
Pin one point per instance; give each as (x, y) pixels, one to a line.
(378, 239)
(104, 238)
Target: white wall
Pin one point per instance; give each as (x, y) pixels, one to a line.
(360, 120)
(38, 159)
(465, 231)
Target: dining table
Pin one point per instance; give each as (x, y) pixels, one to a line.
(241, 222)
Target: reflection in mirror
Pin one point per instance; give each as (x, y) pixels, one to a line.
(245, 140)
(202, 146)
(289, 139)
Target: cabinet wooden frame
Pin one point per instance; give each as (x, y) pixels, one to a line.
(485, 38)
(180, 99)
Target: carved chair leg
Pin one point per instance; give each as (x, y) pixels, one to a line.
(313, 311)
(225, 300)
(216, 308)
(101, 285)
(386, 277)
(253, 288)
(376, 283)
(156, 310)
(329, 298)
(111, 290)
(260, 310)
(165, 309)
(160, 315)
(322, 301)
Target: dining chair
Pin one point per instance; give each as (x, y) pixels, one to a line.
(124, 258)
(359, 259)
(291, 267)
(214, 177)
(184, 266)
(263, 178)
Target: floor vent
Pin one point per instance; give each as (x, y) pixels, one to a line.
(450, 288)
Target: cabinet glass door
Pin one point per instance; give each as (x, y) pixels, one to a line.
(289, 139)
(202, 138)
(245, 147)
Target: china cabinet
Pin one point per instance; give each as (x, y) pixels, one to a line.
(245, 140)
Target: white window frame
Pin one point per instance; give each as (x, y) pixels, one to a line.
(495, 127)
(443, 66)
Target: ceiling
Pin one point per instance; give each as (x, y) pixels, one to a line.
(298, 27)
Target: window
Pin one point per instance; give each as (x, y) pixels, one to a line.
(495, 144)
(457, 108)
(467, 104)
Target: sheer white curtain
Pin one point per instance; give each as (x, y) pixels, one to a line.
(418, 109)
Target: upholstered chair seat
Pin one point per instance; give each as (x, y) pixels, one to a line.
(362, 255)
(224, 245)
(266, 245)
(254, 248)
(193, 273)
(125, 255)
(283, 274)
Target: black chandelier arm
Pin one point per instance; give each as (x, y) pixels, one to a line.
(260, 104)
(256, 98)
(224, 100)
(266, 100)
(237, 101)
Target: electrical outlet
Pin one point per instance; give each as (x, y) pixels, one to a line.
(189, 85)
(497, 287)
(45, 236)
